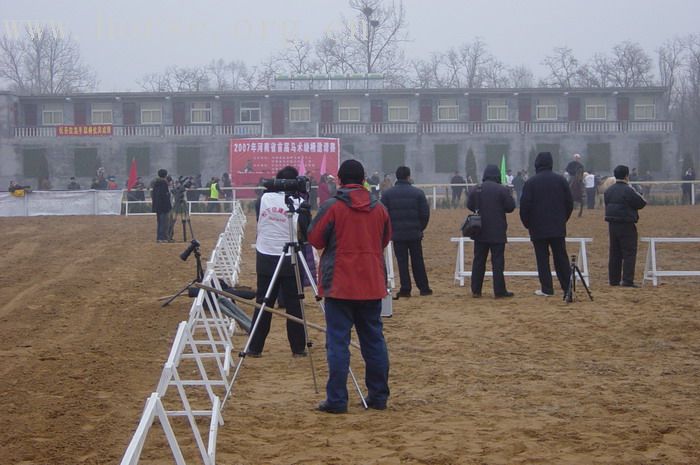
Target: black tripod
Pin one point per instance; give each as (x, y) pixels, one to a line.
(180, 210)
(193, 247)
(291, 249)
(570, 293)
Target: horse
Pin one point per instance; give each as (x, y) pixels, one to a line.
(577, 190)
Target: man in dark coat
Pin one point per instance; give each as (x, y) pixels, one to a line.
(545, 207)
(409, 213)
(160, 197)
(621, 205)
(493, 201)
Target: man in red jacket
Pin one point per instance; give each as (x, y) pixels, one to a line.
(353, 228)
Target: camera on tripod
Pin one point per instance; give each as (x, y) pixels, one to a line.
(194, 244)
(299, 185)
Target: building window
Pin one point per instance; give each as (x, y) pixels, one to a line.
(447, 109)
(348, 112)
(644, 108)
(496, 110)
(299, 111)
(200, 113)
(101, 113)
(250, 112)
(398, 110)
(546, 110)
(52, 114)
(151, 113)
(596, 109)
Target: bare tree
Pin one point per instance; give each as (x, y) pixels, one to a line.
(495, 74)
(630, 66)
(44, 61)
(298, 57)
(520, 76)
(468, 64)
(670, 62)
(563, 67)
(595, 73)
(219, 71)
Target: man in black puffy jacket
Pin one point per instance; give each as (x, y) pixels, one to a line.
(545, 207)
(621, 205)
(493, 201)
(409, 213)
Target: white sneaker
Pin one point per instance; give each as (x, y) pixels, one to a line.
(540, 293)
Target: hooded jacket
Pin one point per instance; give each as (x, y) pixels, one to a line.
(493, 202)
(546, 202)
(408, 209)
(353, 229)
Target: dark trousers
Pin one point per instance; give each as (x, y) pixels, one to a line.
(481, 253)
(623, 252)
(561, 263)
(402, 249)
(295, 331)
(590, 197)
(163, 226)
(365, 315)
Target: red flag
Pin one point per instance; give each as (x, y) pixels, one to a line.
(132, 175)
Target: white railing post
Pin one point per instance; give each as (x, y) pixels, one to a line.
(692, 193)
(434, 197)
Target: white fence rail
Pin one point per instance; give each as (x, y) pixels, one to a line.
(651, 271)
(197, 372)
(37, 203)
(461, 273)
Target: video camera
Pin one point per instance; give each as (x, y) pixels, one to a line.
(194, 245)
(299, 185)
(185, 182)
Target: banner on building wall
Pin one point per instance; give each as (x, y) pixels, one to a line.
(253, 159)
(84, 130)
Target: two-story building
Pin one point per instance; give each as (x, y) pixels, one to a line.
(431, 130)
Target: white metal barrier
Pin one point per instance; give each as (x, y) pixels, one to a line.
(461, 273)
(204, 344)
(651, 271)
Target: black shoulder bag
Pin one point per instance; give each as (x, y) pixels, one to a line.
(472, 225)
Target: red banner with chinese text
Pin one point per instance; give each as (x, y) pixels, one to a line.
(84, 130)
(253, 159)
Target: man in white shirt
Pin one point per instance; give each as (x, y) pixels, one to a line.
(272, 235)
(589, 184)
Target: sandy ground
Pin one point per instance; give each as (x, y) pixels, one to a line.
(529, 380)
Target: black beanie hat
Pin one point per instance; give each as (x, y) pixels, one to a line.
(621, 172)
(351, 172)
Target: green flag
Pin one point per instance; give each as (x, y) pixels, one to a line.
(504, 178)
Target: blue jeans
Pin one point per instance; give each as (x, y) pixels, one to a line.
(341, 315)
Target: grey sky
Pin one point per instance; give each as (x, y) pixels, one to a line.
(125, 39)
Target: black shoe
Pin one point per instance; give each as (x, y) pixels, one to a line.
(614, 284)
(476, 295)
(327, 408)
(629, 285)
(300, 354)
(375, 405)
(427, 292)
(254, 354)
(504, 295)
(403, 294)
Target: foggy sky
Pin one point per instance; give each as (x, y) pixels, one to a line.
(123, 40)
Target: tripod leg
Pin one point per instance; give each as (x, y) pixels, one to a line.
(295, 257)
(585, 286)
(312, 281)
(167, 302)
